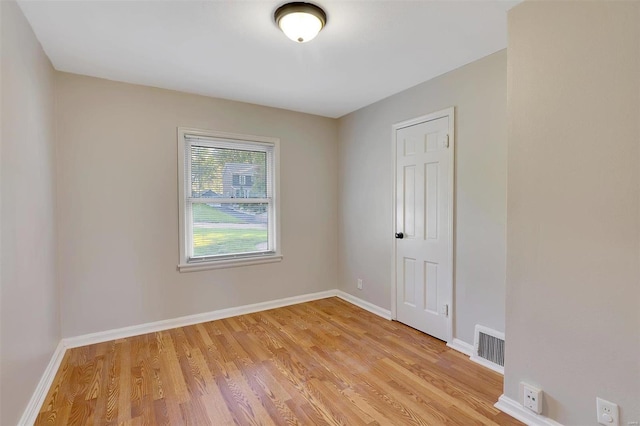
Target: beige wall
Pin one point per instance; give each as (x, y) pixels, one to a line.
(30, 327)
(118, 205)
(478, 91)
(573, 270)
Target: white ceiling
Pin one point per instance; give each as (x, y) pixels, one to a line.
(232, 49)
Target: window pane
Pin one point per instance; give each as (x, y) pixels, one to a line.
(223, 229)
(228, 173)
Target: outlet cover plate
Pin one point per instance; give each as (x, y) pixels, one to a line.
(607, 412)
(532, 398)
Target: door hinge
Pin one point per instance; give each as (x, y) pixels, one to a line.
(444, 310)
(446, 141)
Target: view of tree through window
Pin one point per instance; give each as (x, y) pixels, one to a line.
(235, 217)
(213, 171)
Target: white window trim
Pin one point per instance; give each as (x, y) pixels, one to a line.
(227, 262)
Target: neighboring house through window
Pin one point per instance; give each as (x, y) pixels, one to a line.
(227, 187)
(239, 178)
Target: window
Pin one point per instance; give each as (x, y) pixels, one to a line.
(228, 199)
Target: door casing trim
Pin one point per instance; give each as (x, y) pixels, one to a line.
(450, 113)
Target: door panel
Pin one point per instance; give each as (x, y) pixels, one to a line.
(409, 201)
(423, 264)
(431, 286)
(410, 282)
(431, 201)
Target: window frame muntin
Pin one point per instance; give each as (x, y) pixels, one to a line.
(186, 237)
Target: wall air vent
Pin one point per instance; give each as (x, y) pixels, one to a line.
(488, 348)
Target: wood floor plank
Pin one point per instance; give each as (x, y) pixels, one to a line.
(124, 395)
(324, 362)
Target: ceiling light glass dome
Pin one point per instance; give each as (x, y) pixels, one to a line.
(301, 22)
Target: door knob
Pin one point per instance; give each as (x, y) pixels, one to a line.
(399, 235)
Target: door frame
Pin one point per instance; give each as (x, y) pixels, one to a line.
(450, 113)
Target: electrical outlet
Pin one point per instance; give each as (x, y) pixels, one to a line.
(607, 412)
(359, 283)
(532, 398)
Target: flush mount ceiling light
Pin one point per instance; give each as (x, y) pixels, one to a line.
(299, 21)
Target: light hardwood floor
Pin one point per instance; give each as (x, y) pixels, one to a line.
(322, 362)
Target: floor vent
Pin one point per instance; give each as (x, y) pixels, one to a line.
(488, 348)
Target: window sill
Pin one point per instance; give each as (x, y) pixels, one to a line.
(229, 263)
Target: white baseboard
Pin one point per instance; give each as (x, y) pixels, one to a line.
(517, 411)
(37, 399)
(368, 306)
(461, 346)
(152, 327)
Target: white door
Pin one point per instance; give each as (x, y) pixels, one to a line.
(424, 226)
